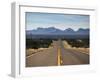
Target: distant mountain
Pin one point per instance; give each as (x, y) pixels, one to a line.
(48, 30)
(82, 31)
(55, 31)
(69, 31)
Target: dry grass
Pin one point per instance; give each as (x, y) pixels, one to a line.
(66, 45)
(33, 51)
(82, 50)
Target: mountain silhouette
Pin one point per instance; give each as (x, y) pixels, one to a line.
(55, 31)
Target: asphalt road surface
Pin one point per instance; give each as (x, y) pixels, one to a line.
(56, 56)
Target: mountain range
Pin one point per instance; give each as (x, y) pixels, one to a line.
(55, 31)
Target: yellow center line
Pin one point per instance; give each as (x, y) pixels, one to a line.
(59, 57)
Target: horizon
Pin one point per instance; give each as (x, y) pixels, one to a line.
(57, 28)
(36, 20)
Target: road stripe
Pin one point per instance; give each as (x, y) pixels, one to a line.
(59, 57)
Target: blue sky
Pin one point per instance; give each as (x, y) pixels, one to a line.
(60, 21)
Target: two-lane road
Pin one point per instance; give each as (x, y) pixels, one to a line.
(57, 55)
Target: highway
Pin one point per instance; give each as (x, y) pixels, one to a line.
(57, 55)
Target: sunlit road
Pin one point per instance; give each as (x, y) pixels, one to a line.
(57, 55)
(44, 58)
(71, 57)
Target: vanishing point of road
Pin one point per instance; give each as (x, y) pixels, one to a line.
(57, 55)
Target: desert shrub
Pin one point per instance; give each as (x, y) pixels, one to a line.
(38, 43)
(79, 42)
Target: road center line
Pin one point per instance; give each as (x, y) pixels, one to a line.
(59, 57)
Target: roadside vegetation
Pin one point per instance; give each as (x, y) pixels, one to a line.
(45, 43)
(79, 43)
(38, 43)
